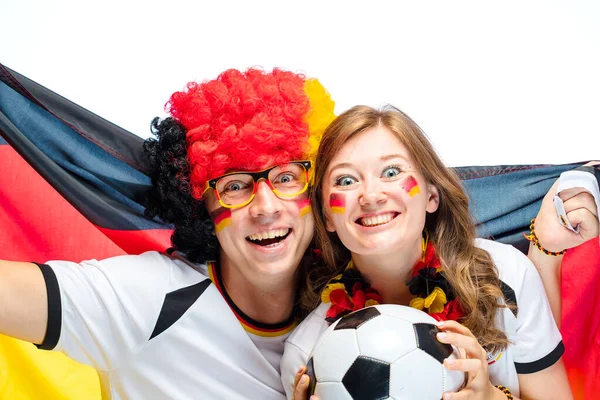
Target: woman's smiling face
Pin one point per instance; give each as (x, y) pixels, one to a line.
(373, 197)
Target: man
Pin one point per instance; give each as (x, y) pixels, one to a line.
(195, 237)
(231, 171)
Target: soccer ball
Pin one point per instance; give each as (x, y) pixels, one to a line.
(382, 352)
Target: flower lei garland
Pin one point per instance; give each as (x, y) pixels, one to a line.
(348, 291)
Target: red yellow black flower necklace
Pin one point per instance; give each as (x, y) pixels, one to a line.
(348, 291)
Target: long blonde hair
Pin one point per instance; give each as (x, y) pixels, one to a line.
(469, 270)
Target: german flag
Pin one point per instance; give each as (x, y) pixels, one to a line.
(580, 323)
(71, 188)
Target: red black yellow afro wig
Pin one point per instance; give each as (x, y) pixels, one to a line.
(249, 121)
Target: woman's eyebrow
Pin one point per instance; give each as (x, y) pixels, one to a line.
(341, 165)
(392, 156)
(382, 158)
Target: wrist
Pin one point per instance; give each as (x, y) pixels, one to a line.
(542, 260)
(502, 393)
(534, 239)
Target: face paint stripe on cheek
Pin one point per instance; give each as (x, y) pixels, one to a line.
(221, 217)
(411, 186)
(337, 203)
(304, 207)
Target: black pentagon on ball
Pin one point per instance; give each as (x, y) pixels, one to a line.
(357, 318)
(312, 383)
(427, 341)
(368, 378)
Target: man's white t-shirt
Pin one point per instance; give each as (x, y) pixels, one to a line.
(156, 327)
(535, 342)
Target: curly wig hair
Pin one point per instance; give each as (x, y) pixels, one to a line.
(243, 120)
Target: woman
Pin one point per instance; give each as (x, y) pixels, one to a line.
(389, 215)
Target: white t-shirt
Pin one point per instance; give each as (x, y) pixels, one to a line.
(535, 342)
(156, 327)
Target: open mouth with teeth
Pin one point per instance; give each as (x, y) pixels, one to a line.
(377, 220)
(269, 238)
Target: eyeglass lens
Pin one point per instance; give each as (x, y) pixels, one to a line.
(286, 180)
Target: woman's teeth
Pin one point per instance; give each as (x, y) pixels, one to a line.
(377, 220)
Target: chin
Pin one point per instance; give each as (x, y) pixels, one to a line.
(382, 248)
(277, 266)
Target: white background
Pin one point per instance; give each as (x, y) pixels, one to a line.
(490, 82)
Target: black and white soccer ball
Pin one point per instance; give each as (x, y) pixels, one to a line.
(382, 352)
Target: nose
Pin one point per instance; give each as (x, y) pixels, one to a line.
(265, 202)
(373, 192)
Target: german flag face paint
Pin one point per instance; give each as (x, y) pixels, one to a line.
(337, 203)
(304, 207)
(221, 217)
(410, 186)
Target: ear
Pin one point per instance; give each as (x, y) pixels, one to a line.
(433, 199)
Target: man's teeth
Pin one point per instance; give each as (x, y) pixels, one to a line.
(377, 220)
(269, 234)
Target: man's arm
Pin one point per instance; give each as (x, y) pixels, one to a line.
(23, 301)
(538, 348)
(581, 211)
(550, 383)
(96, 312)
(549, 268)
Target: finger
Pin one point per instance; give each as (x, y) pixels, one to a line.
(566, 194)
(582, 215)
(464, 394)
(469, 343)
(454, 326)
(472, 365)
(592, 163)
(588, 223)
(301, 389)
(583, 200)
(299, 374)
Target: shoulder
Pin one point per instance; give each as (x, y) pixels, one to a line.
(513, 266)
(149, 269)
(504, 255)
(308, 331)
(535, 340)
(149, 259)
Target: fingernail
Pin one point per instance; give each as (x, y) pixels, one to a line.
(447, 396)
(300, 370)
(450, 362)
(439, 324)
(304, 379)
(442, 336)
